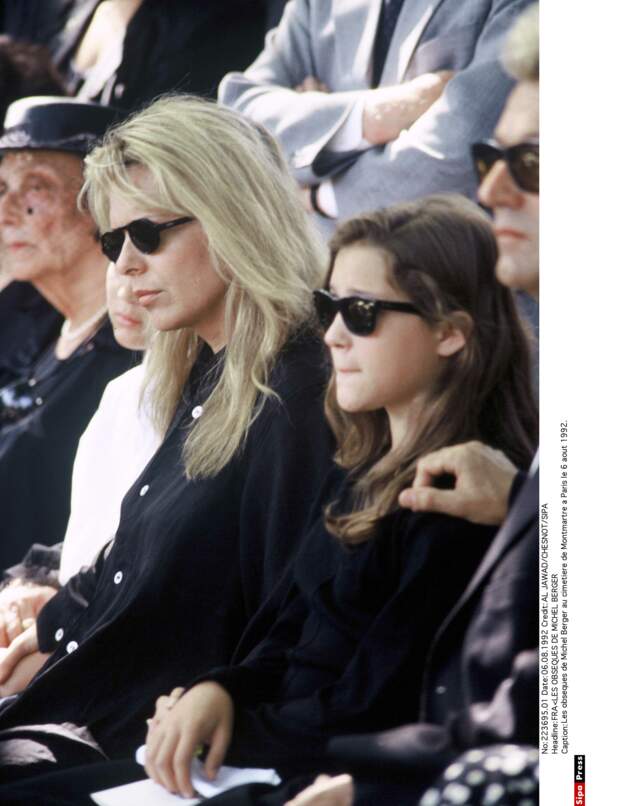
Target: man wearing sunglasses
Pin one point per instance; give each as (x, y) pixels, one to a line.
(481, 688)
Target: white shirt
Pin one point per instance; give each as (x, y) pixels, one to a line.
(113, 451)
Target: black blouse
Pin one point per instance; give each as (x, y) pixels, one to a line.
(28, 324)
(347, 652)
(190, 565)
(38, 443)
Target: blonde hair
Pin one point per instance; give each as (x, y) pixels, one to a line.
(521, 50)
(229, 174)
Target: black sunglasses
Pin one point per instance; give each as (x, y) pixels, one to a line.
(144, 234)
(359, 314)
(521, 159)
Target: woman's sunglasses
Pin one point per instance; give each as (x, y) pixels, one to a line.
(359, 314)
(521, 159)
(144, 235)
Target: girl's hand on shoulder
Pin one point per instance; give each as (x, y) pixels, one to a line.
(181, 723)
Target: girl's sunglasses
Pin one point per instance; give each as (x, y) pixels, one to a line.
(359, 314)
(144, 235)
(521, 159)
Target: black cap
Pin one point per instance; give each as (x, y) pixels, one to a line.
(57, 124)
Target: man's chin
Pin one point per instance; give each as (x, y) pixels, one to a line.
(520, 275)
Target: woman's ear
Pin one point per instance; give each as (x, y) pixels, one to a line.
(453, 333)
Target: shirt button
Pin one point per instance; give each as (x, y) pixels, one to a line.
(441, 690)
(144, 490)
(72, 646)
(59, 634)
(118, 577)
(196, 412)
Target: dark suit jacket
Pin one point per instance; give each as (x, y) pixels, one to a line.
(481, 678)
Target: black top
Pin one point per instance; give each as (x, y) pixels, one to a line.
(37, 450)
(183, 46)
(190, 564)
(347, 651)
(28, 324)
(481, 674)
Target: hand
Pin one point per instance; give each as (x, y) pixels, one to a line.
(389, 110)
(20, 603)
(180, 724)
(483, 476)
(326, 791)
(311, 84)
(20, 662)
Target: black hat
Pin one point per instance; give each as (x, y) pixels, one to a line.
(56, 123)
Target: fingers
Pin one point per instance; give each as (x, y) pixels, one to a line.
(13, 622)
(431, 500)
(311, 84)
(182, 765)
(23, 645)
(435, 464)
(217, 751)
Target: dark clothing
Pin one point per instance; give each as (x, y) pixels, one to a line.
(346, 653)
(182, 46)
(481, 677)
(190, 564)
(28, 324)
(37, 450)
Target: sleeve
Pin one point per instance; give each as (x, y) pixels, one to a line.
(432, 156)
(388, 659)
(61, 612)
(258, 678)
(39, 566)
(511, 715)
(303, 122)
(421, 751)
(288, 459)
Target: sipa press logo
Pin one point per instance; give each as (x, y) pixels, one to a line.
(580, 781)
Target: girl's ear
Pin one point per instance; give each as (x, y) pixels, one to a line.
(453, 333)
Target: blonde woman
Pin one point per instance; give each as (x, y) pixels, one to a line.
(199, 215)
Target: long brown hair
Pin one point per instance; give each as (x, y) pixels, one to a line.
(442, 253)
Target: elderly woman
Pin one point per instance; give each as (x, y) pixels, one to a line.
(45, 240)
(205, 226)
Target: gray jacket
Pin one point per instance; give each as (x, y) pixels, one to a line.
(333, 40)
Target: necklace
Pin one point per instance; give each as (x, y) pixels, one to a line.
(67, 332)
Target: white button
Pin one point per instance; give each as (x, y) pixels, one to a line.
(118, 577)
(32, 382)
(441, 690)
(59, 634)
(72, 646)
(144, 490)
(38, 401)
(196, 412)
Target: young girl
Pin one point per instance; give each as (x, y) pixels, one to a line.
(427, 351)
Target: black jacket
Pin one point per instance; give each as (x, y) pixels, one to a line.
(481, 677)
(346, 652)
(190, 564)
(37, 450)
(28, 324)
